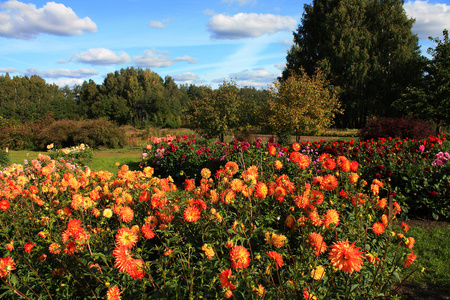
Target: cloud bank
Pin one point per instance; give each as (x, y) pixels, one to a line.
(431, 19)
(243, 25)
(25, 21)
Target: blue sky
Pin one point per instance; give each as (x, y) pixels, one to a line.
(193, 41)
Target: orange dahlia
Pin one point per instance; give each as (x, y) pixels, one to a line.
(302, 201)
(240, 258)
(316, 197)
(409, 243)
(261, 190)
(113, 293)
(329, 182)
(316, 241)
(126, 237)
(353, 177)
(124, 259)
(272, 150)
(378, 228)
(6, 266)
(54, 248)
(236, 185)
(225, 277)
(191, 214)
(277, 258)
(231, 168)
(126, 214)
(345, 257)
(189, 184)
(278, 165)
(331, 217)
(29, 247)
(329, 164)
(410, 259)
(303, 162)
(318, 272)
(209, 252)
(296, 147)
(205, 173)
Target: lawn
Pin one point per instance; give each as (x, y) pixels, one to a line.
(103, 159)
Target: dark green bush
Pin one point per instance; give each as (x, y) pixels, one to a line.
(4, 158)
(402, 128)
(95, 133)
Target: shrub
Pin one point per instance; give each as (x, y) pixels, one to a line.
(19, 136)
(383, 127)
(4, 157)
(96, 133)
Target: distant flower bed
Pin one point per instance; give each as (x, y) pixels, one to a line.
(321, 232)
(80, 154)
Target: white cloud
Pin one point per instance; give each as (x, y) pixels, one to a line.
(25, 21)
(186, 78)
(69, 82)
(240, 2)
(9, 70)
(152, 60)
(208, 12)
(280, 66)
(288, 42)
(243, 25)
(101, 56)
(431, 19)
(186, 58)
(257, 77)
(58, 73)
(157, 24)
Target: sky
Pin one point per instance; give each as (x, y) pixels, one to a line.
(201, 42)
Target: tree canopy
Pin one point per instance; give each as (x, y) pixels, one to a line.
(366, 49)
(302, 104)
(430, 98)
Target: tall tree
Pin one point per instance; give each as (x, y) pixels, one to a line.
(431, 99)
(363, 46)
(217, 113)
(302, 104)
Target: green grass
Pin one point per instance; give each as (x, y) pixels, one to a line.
(432, 248)
(103, 159)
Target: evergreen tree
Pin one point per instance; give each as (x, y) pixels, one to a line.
(365, 48)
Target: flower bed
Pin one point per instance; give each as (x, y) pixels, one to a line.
(408, 168)
(316, 231)
(80, 155)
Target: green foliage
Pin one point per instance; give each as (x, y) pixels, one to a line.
(217, 113)
(96, 133)
(302, 105)
(431, 98)
(412, 128)
(4, 157)
(366, 49)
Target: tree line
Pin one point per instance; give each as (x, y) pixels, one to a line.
(352, 61)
